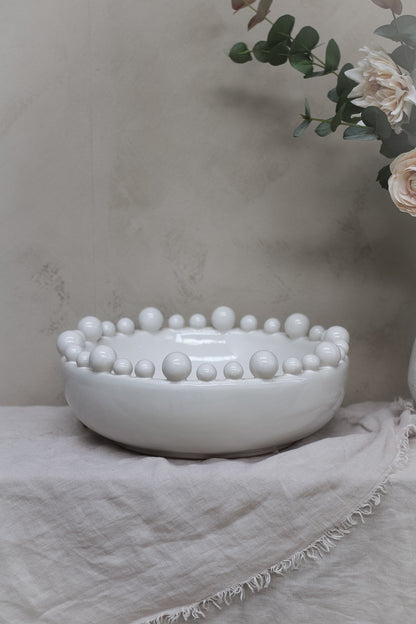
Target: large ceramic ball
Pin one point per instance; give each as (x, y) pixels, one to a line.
(223, 318)
(176, 321)
(125, 326)
(176, 366)
(206, 372)
(197, 321)
(68, 338)
(109, 329)
(263, 364)
(233, 370)
(91, 327)
(122, 366)
(328, 353)
(316, 332)
(297, 325)
(292, 366)
(72, 352)
(150, 319)
(145, 369)
(102, 359)
(248, 323)
(271, 326)
(336, 333)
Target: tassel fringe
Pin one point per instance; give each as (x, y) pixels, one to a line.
(313, 551)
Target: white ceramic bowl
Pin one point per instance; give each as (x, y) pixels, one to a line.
(197, 391)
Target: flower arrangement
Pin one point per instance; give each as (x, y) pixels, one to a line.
(376, 100)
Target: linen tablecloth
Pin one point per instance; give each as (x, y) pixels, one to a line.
(91, 533)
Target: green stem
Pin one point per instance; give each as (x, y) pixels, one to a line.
(343, 123)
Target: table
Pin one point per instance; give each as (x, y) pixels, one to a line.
(91, 533)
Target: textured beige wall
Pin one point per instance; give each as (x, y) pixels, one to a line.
(139, 166)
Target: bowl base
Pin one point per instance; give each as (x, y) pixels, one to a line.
(174, 455)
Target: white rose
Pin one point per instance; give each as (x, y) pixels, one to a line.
(384, 84)
(402, 182)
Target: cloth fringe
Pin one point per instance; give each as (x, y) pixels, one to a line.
(313, 551)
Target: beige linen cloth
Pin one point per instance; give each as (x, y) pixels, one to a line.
(91, 533)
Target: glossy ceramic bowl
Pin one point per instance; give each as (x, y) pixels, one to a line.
(199, 391)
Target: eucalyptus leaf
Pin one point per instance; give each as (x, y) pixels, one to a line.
(395, 145)
(306, 40)
(301, 61)
(336, 121)
(332, 56)
(362, 133)
(333, 95)
(402, 29)
(324, 128)
(410, 127)
(383, 176)
(405, 57)
(374, 118)
(301, 128)
(307, 109)
(240, 53)
(344, 84)
(279, 54)
(281, 30)
(261, 51)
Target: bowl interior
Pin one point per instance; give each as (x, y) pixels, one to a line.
(207, 345)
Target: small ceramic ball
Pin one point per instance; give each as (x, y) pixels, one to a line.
(316, 332)
(328, 353)
(176, 366)
(263, 364)
(293, 366)
(342, 352)
(102, 359)
(151, 319)
(233, 370)
(342, 344)
(122, 366)
(83, 359)
(109, 329)
(68, 338)
(89, 346)
(248, 323)
(223, 318)
(197, 321)
(336, 333)
(91, 327)
(125, 326)
(72, 352)
(206, 372)
(144, 368)
(311, 362)
(271, 326)
(176, 321)
(297, 325)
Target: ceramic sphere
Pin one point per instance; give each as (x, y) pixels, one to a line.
(89, 346)
(311, 362)
(271, 326)
(223, 318)
(336, 333)
(102, 359)
(109, 329)
(176, 366)
(144, 368)
(123, 366)
(343, 344)
(83, 359)
(297, 325)
(91, 327)
(72, 352)
(126, 326)
(197, 321)
(263, 364)
(176, 321)
(68, 338)
(328, 353)
(316, 332)
(151, 319)
(206, 372)
(248, 323)
(233, 370)
(292, 366)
